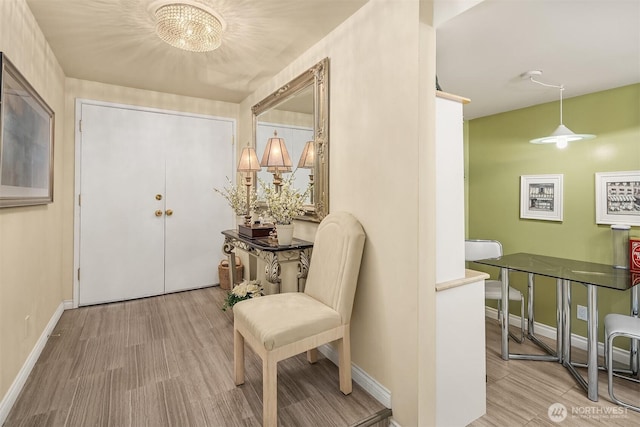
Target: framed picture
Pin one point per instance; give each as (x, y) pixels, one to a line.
(541, 197)
(618, 198)
(26, 141)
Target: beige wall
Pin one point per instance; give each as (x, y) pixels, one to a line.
(36, 243)
(381, 140)
(377, 169)
(288, 118)
(498, 144)
(31, 282)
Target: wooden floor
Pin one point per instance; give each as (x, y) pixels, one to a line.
(519, 393)
(167, 361)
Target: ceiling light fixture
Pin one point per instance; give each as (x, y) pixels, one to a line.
(562, 136)
(189, 27)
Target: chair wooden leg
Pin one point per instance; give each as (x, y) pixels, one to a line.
(269, 392)
(344, 362)
(238, 357)
(312, 355)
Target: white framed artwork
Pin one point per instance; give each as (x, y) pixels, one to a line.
(618, 197)
(541, 197)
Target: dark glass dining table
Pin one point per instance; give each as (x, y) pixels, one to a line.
(593, 276)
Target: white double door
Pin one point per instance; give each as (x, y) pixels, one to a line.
(150, 221)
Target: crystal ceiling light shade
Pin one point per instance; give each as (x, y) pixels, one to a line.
(188, 27)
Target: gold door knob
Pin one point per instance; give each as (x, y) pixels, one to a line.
(158, 212)
(169, 212)
(158, 196)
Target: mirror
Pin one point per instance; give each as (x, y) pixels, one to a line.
(299, 112)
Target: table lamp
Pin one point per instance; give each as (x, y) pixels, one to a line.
(248, 163)
(276, 158)
(307, 161)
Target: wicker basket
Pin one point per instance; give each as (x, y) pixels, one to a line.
(223, 273)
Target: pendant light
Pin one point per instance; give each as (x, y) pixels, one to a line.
(562, 136)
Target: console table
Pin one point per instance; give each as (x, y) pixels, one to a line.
(272, 254)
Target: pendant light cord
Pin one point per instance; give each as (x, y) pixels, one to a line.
(561, 87)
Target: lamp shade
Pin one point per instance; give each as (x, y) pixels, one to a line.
(561, 137)
(248, 161)
(308, 156)
(276, 154)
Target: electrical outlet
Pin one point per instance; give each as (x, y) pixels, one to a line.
(582, 312)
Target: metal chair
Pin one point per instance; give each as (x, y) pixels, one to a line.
(482, 249)
(619, 325)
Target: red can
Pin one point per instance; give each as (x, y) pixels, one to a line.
(634, 255)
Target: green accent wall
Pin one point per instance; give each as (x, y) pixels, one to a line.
(499, 153)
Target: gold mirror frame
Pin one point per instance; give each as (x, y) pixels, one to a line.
(318, 77)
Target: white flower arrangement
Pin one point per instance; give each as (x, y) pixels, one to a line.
(237, 197)
(284, 205)
(245, 290)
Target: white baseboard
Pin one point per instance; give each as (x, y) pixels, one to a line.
(16, 387)
(578, 341)
(364, 380)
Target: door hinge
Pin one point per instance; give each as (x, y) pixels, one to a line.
(78, 274)
(79, 199)
(80, 125)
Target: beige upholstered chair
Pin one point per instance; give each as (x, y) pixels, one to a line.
(482, 249)
(280, 326)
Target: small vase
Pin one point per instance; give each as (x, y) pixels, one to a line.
(285, 234)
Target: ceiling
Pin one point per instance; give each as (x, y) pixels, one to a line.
(114, 41)
(587, 45)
